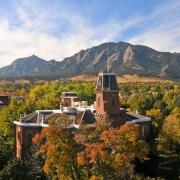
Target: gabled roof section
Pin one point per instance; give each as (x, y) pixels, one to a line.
(88, 117)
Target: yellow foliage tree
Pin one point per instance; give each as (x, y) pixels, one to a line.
(169, 138)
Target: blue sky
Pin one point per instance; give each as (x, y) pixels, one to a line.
(55, 29)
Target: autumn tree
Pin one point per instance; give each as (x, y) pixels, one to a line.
(169, 138)
(113, 153)
(99, 152)
(57, 145)
(157, 120)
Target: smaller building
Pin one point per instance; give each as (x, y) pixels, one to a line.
(68, 99)
(4, 101)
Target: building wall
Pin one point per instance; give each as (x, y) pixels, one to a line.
(23, 139)
(68, 101)
(108, 108)
(144, 129)
(115, 119)
(104, 102)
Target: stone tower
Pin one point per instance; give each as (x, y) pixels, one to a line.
(108, 107)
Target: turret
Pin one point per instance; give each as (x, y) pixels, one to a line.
(107, 94)
(107, 99)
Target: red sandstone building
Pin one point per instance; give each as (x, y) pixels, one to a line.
(107, 107)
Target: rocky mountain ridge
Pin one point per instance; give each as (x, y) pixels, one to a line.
(124, 58)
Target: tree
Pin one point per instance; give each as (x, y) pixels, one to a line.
(15, 169)
(113, 153)
(169, 138)
(23, 169)
(102, 152)
(6, 150)
(59, 148)
(157, 120)
(141, 103)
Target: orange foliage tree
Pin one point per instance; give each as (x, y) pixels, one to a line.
(113, 152)
(57, 146)
(169, 137)
(98, 153)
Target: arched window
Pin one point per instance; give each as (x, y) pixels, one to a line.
(100, 81)
(113, 101)
(99, 101)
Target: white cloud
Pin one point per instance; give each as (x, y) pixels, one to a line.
(55, 32)
(35, 35)
(162, 29)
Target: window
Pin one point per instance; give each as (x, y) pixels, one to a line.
(113, 81)
(113, 101)
(106, 81)
(100, 81)
(142, 131)
(99, 101)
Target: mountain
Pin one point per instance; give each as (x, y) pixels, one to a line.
(124, 58)
(22, 67)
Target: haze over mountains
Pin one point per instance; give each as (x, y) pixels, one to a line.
(124, 58)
